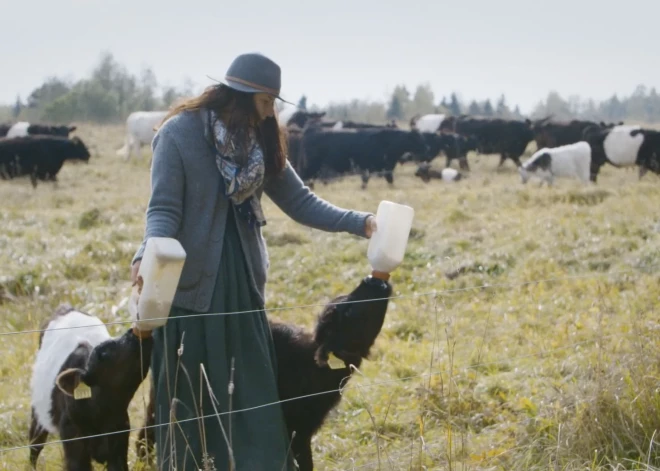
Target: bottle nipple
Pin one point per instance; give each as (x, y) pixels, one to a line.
(142, 334)
(381, 275)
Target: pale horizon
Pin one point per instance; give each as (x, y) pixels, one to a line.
(342, 51)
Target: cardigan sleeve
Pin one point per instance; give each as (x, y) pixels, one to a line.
(290, 194)
(165, 207)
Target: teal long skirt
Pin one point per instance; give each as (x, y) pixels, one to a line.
(258, 437)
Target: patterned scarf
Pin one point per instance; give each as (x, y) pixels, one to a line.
(240, 181)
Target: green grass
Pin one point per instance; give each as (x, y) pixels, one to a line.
(477, 367)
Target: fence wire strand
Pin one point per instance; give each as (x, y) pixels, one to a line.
(403, 296)
(352, 385)
(340, 390)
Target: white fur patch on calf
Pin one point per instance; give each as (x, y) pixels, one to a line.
(429, 122)
(55, 348)
(620, 147)
(19, 129)
(569, 161)
(449, 174)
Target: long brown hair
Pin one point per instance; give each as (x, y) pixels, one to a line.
(239, 114)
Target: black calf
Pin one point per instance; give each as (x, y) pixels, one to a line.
(347, 328)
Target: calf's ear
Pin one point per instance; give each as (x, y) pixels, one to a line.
(72, 128)
(68, 380)
(321, 356)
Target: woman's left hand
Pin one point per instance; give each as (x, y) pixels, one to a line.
(370, 226)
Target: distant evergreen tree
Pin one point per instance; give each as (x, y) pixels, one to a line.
(488, 109)
(454, 106)
(395, 110)
(474, 109)
(18, 106)
(502, 109)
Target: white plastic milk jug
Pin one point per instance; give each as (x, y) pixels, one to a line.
(387, 244)
(160, 270)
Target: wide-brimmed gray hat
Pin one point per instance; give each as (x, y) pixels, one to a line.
(254, 73)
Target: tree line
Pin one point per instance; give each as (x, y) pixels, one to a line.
(643, 105)
(110, 93)
(404, 104)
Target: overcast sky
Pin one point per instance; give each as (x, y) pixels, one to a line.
(333, 50)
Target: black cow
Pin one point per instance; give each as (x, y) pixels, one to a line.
(297, 158)
(295, 155)
(300, 118)
(509, 138)
(41, 129)
(294, 129)
(555, 134)
(453, 145)
(357, 125)
(413, 120)
(40, 157)
(366, 151)
(624, 146)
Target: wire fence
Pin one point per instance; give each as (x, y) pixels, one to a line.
(371, 384)
(403, 296)
(330, 391)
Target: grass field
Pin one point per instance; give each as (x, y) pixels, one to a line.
(525, 333)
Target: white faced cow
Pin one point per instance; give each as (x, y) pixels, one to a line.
(569, 161)
(140, 131)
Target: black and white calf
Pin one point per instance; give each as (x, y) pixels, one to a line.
(426, 173)
(624, 146)
(569, 161)
(75, 350)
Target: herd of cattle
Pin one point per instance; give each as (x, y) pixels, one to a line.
(322, 149)
(575, 149)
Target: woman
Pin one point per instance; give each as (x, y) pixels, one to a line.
(213, 157)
